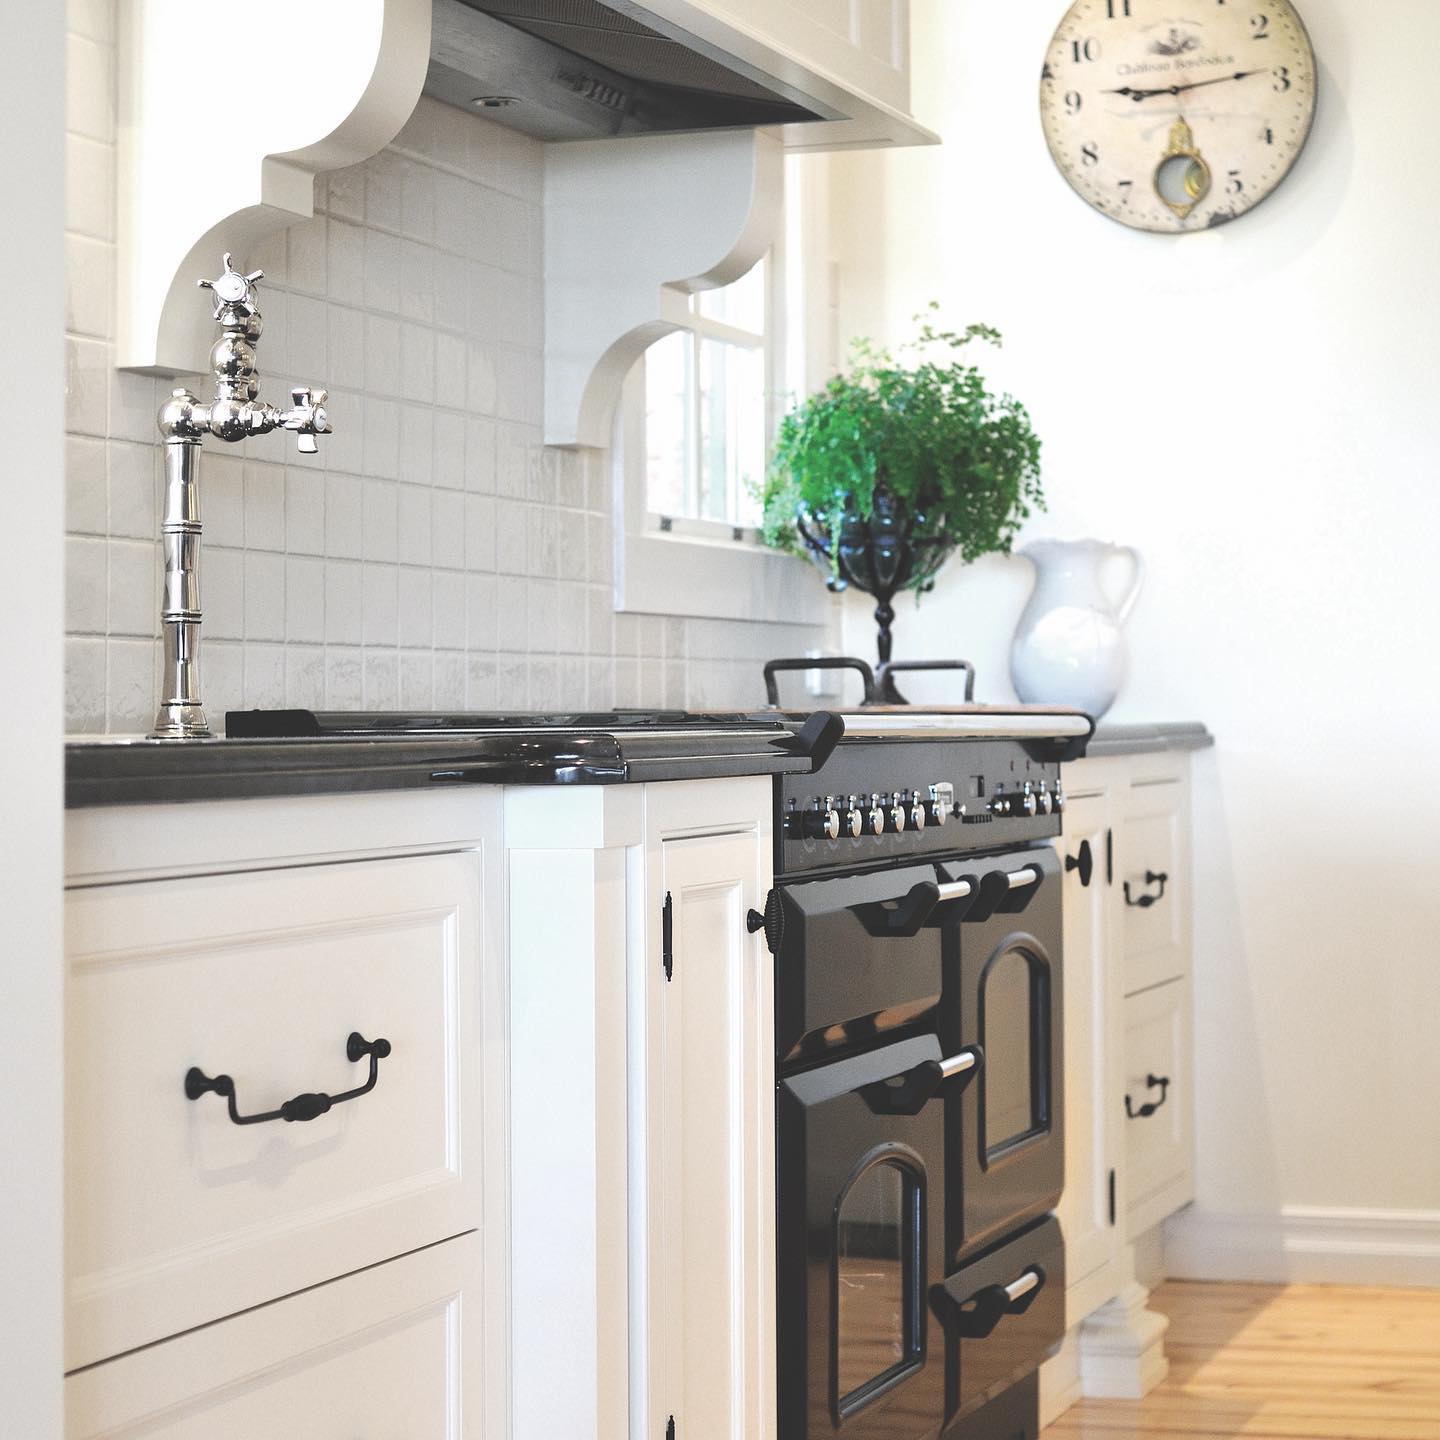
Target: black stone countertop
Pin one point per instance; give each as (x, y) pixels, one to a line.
(117, 771)
(304, 753)
(1148, 739)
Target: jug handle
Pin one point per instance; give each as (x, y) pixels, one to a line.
(1137, 584)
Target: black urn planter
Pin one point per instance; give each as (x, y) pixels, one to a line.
(893, 548)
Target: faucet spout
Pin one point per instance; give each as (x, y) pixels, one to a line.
(233, 414)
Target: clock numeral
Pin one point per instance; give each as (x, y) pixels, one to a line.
(1081, 50)
(1262, 27)
(1269, 136)
(1090, 153)
(1046, 73)
(1282, 79)
(1117, 7)
(1235, 185)
(1073, 102)
(1125, 188)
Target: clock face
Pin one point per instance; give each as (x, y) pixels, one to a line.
(1177, 115)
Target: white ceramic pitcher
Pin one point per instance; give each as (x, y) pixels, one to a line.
(1068, 647)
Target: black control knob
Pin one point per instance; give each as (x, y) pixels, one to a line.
(822, 823)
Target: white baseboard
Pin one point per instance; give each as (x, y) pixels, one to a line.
(1306, 1244)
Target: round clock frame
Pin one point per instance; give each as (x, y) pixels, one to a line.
(1174, 116)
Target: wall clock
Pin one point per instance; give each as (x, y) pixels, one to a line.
(1177, 115)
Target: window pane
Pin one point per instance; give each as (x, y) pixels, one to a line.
(876, 1245)
(732, 430)
(670, 450)
(741, 304)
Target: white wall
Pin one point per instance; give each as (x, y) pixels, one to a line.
(32, 117)
(1255, 409)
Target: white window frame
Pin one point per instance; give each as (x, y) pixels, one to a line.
(678, 566)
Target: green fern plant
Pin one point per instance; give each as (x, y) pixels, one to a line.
(929, 435)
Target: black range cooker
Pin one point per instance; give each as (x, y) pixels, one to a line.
(916, 928)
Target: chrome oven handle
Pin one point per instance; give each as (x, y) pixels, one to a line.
(1019, 879)
(955, 890)
(1022, 1286)
(959, 1064)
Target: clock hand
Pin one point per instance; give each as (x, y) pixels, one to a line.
(1138, 95)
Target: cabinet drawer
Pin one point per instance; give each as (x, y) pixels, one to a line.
(395, 1350)
(1157, 1101)
(1149, 845)
(175, 1215)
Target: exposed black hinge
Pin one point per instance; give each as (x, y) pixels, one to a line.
(670, 1428)
(1109, 857)
(667, 956)
(1112, 1197)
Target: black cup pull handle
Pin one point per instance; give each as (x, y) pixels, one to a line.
(1145, 1111)
(1144, 902)
(819, 662)
(302, 1107)
(1084, 862)
(975, 1317)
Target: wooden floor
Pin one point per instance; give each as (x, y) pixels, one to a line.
(1296, 1362)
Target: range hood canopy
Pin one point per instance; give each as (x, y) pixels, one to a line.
(590, 69)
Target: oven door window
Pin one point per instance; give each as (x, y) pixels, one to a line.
(1014, 1026)
(879, 1225)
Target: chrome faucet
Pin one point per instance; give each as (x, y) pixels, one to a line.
(233, 414)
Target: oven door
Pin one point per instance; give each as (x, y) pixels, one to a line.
(861, 1216)
(855, 961)
(1002, 996)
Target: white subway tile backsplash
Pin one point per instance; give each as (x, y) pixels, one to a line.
(344, 516)
(344, 601)
(85, 485)
(264, 596)
(264, 506)
(130, 674)
(413, 535)
(305, 598)
(304, 507)
(86, 585)
(434, 552)
(134, 486)
(381, 605)
(134, 586)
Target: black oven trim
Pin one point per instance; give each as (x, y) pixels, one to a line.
(1041, 1086)
(912, 1165)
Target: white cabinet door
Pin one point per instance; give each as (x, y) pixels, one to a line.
(1152, 876)
(1156, 1105)
(703, 1210)
(393, 1351)
(1088, 1207)
(176, 1215)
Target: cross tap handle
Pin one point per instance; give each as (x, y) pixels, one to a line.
(308, 418)
(232, 289)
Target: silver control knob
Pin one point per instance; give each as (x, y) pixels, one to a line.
(852, 823)
(895, 816)
(1027, 804)
(1059, 799)
(874, 817)
(917, 814)
(940, 804)
(1046, 803)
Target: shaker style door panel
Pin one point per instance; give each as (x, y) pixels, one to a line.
(177, 1215)
(1156, 1105)
(1091, 1061)
(709, 1241)
(1150, 874)
(393, 1351)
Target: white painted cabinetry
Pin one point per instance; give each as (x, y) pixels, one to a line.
(1128, 1102)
